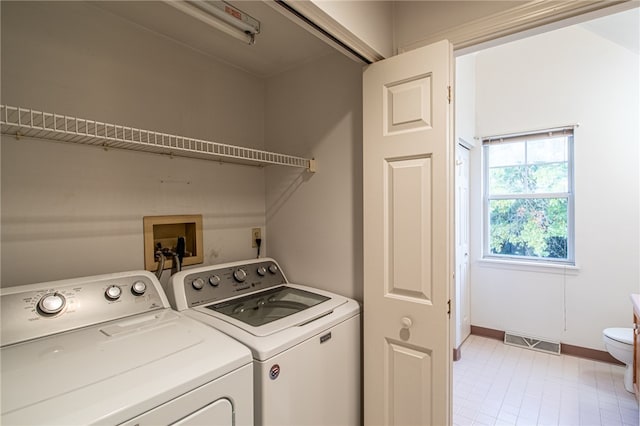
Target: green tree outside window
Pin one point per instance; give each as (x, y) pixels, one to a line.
(528, 196)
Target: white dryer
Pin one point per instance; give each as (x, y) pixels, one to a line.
(305, 341)
(108, 349)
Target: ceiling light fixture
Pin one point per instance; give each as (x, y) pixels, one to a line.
(222, 16)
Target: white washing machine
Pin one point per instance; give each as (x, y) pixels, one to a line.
(109, 350)
(305, 342)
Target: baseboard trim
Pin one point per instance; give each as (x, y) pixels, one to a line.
(588, 353)
(457, 353)
(565, 349)
(487, 332)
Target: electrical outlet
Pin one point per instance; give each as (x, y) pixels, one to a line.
(255, 234)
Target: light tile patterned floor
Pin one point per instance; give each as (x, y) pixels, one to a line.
(498, 384)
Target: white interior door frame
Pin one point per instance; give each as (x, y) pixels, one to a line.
(530, 18)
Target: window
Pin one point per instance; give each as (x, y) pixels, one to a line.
(528, 199)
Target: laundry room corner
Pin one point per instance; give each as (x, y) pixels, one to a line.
(315, 220)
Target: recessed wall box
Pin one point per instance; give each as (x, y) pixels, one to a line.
(162, 233)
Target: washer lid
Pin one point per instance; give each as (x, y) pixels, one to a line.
(270, 311)
(620, 334)
(261, 308)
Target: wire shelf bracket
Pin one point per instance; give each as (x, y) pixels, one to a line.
(26, 122)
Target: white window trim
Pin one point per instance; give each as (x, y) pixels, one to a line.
(530, 266)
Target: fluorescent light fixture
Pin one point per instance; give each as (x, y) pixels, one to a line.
(222, 16)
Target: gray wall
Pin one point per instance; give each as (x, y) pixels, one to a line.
(315, 220)
(70, 210)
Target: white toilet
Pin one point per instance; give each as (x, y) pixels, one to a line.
(619, 343)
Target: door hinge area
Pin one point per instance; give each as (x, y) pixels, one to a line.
(449, 308)
(449, 93)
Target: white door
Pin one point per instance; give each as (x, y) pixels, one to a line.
(408, 237)
(463, 292)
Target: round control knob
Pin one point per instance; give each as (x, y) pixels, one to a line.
(240, 275)
(262, 270)
(51, 304)
(198, 283)
(214, 280)
(273, 268)
(138, 288)
(113, 292)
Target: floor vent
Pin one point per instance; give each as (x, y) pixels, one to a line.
(532, 343)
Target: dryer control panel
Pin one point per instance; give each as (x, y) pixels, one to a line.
(38, 310)
(218, 282)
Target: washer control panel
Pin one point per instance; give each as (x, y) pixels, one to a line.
(37, 310)
(217, 282)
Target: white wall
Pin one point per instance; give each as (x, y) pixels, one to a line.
(315, 220)
(465, 99)
(369, 21)
(560, 78)
(70, 210)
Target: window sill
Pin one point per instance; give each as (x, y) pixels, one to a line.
(515, 265)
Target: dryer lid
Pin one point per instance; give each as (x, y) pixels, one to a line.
(620, 334)
(112, 371)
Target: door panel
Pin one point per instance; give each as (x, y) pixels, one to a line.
(408, 104)
(408, 194)
(408, 180)
(404, 395)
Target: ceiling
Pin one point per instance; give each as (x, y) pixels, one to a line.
(621, 28)
(281, 45)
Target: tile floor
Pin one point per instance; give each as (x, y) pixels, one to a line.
(498, 384)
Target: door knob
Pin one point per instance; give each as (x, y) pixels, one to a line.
(407, 322)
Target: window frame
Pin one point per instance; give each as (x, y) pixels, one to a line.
(487, 142)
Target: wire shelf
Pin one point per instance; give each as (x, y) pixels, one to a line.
(17, 121)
